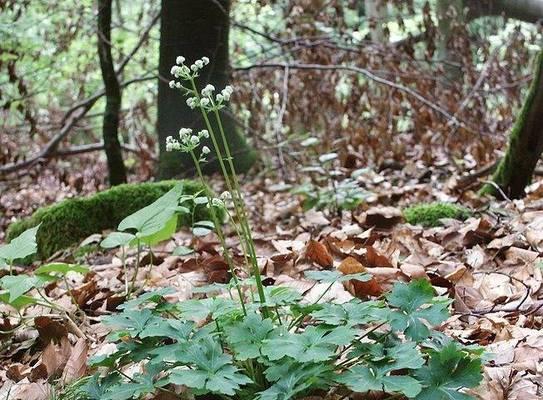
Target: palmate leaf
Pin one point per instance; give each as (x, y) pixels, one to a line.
(365, 378)
(313, 345)
(354, 312)
(211, 371)
(416, 303)
(128, 323)
(281, 296)
(196, 310)
(168, 328)
(139, 385)
(246, 338)
(22, 246)
(448, 371)
(380, 361)
(291, 379)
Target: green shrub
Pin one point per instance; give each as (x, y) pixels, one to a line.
(431, 214)
(70, 221)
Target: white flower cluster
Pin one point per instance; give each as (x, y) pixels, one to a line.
(221, 200)
(210, 101)
(187, 141)
(184, 72)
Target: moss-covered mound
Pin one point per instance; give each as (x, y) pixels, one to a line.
(70, 221)
(431, 214)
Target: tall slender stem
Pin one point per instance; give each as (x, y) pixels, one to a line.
(234, 190)
(220, 235)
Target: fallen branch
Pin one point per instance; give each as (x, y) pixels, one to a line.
(370, 75)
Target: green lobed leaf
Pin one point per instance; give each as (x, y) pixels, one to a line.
(354, 312)
(196, 310)
(211, 371)
(417, 306)
(447, 371)
(129, 322)
(315, 344)
(292, 379)
(246, 337)
(365, 378)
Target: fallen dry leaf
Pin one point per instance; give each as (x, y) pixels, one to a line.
(76, 366)
(318, 253)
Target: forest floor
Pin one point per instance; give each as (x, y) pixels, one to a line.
(491, 265)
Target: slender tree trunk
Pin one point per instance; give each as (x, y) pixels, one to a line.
(515, 170)
(376, 13)
(110, 127)
(193, 29)
(449, 14)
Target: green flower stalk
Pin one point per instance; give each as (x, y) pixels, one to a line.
(210, 103)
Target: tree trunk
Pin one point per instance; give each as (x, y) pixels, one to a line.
(110, 125)
(376, 12)
(193, 29)
(449, 14)
(523, 10)
(515, 170)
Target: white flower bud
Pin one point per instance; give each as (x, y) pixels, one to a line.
(199, 64)
(217, 202)
(204, 133)
(208, 90)
(204, 102)
(205, 60)
(219, 98)
(194, 67)
(192, 102)
(171, 84)
(175, 70)
(205, 150)
(195, 140)
(178, 85)
(226, 195)
(184, 133)
(180, 60)
(184, 70)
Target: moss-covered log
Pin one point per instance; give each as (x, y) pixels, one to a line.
(69, 222)
(193, 29)
(515, 170)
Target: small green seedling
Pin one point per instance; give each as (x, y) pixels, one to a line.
(21, 247)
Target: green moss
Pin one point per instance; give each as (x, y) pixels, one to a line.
(70, 221)
(431, 214)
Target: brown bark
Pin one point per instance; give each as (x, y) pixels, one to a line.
(110, 126)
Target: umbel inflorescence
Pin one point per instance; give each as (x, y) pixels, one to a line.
(206, 100)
